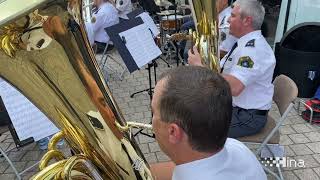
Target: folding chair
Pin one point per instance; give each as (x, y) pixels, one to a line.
(103, 63)
(285, 92)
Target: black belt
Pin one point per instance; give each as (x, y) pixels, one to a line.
(254, 111)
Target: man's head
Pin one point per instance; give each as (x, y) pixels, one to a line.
(192, 109)
(246, 16)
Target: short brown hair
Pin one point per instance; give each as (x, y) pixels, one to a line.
(200, 102)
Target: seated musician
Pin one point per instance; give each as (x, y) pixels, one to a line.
(104, 16)
(192, 109)
(248, 68)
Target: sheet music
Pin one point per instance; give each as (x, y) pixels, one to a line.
(140, 43)
(149, 23)
(27, 119)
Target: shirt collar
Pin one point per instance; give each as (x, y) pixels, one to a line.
(189, 170)
(246, 38)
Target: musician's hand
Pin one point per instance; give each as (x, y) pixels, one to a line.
(194, 58)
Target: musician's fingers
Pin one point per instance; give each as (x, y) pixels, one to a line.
(195, 50)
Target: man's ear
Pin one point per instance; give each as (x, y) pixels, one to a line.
(176, 133)
(248, 21)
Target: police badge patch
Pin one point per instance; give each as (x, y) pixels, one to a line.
(246, 62)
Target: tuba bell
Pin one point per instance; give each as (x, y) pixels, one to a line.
(46, 55)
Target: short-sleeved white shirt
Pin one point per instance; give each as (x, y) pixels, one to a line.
(235, 161)
(253, 63)
(124, 7)
(226, 40)
(105, 16)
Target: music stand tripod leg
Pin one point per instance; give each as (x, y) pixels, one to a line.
(149, 90)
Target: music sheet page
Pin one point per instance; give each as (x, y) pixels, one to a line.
(26, 118)
(140, 43)
(149, 22)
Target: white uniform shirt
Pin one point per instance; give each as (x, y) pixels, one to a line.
(124, 7)
(253, 63)
(105, 16)
(226, 40)
(234, 162)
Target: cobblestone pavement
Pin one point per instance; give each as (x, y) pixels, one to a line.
(300, 139)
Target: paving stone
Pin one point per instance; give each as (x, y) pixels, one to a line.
(299, 138)
(289, 175)
(3, 137)
(154, 147)
(301, 128)
(33, 155)
(7, 176)
(151, 158)
(8, 140)
(297, 120)
(27, 175)
(18, 165)
(28, 147)
(144, 148)
(34, 168)
(317, 170)
(306, 174)
(145, 139)
(288, 151)
(315, 147)
(316, 157)
(313, 127)
(162, 157)
(16, 155)
(309, 161)
(3, 166)
(300, 149)
(313, 136)
(287, 122)
(4, 146)
(287, 130)
(285, 140)
(270, 177)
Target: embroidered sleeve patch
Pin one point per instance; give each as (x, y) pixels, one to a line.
(246, 62)
(250, 43)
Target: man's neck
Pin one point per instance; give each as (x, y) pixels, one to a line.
(245, 32)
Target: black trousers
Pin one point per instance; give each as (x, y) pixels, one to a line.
(247, 122)
(101, 46)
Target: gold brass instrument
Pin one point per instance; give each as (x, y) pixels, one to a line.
(46, 55)
(205, 16)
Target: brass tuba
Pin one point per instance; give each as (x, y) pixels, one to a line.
(205, 16)
(46, 55)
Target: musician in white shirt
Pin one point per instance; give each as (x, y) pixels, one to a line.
(104, 16)
(191, 116)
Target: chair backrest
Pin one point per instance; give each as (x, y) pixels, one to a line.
(285, 92)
